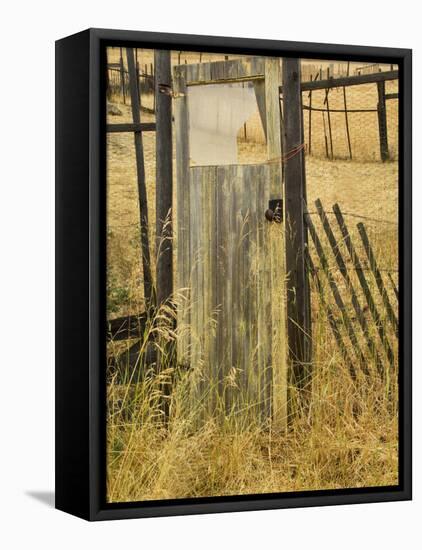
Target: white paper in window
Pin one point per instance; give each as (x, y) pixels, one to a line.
(216, 114)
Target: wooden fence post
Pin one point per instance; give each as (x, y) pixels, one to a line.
(346, 115)
(138, 80)
(108, 87)
(310, 123)
(294, 193)
(163, 204)
(164, 175)
(122, 76)
(149, 292)
(326, 102)
(382, 121)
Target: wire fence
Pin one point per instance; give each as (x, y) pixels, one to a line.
(343, 122)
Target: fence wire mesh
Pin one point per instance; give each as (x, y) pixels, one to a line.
(342, 123)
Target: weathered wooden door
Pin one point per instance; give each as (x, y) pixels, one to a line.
(230, 270)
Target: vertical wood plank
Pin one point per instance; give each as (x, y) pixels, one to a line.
(259, 87)
(209, 284)
(274, 255)
(257, 65)
(163, 205)
(224, 284)
(272, 105)
(183, 211)
(236, 190)
(196, 293)
(164, 178)
(278, 319)
(263, 292)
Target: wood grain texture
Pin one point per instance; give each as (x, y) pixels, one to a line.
(382, 121)
(230, 258)
(164, 179)
(237, 336)
(183, 269)
(272, 106)
(295, 195)
(355, 80)
(225, 71)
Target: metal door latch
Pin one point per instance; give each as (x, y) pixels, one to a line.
(274, 213)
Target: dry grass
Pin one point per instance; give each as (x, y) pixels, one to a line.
(347, 438)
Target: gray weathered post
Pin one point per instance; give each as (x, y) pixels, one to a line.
(382, 121)
(294, 193)
(164, 175)
(163, 200)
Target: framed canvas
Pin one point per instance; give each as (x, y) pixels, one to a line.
(233, 248)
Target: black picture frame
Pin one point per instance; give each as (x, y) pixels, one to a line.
(80, 274)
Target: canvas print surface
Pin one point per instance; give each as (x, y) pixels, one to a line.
(252, 274)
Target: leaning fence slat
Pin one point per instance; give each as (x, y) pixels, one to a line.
(393, 284)
(361, 276)
(334, 289)
(126, 328)
(343, 270)
(149, 293)
(377, 274)
(331, 319)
